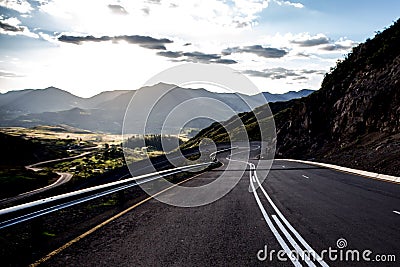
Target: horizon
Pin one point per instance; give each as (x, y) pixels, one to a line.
(279, 45)
(184, 87)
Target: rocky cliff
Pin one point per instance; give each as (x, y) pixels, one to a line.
(354, 119)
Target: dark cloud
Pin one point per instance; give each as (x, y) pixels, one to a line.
(300, 78)
(267, 52)
(241, 24)
(10, 28)
(201, 57)
(157, 2)
(274, 73)
(226, 61)
(282, 73)
(143, 41)
(335, 47)
(6, 74)
(118, 9)
(169, 54)
(81, 39)
(313, 72)
(302, 55)
(146, 10)
(196, 57)
(312, 41)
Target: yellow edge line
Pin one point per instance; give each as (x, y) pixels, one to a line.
(55, 252)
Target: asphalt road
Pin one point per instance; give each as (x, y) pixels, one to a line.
(65, 177)
(299, 207)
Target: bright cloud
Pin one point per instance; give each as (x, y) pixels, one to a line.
(21, 6)
(117, 44)
(11, 26)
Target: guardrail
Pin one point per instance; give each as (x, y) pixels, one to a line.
(31, 210)
(27, 211)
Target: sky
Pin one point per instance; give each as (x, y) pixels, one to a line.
(89, 46)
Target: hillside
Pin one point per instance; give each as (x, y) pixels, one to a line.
(353, 120)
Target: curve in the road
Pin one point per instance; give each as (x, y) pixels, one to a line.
(64, 178)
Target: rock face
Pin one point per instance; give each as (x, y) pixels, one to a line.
(354, 119)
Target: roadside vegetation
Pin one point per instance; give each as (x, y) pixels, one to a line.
(22, 147)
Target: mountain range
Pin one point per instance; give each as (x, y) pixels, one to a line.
(105, 112)
(352, 120)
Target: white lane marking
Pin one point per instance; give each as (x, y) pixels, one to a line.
(283, 166)
(278, 237)
(273, 229)
(306, 177)
(293, 242)
(291, 228)
(397, 212)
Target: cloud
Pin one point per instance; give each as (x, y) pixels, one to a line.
(169, 54)
(6, 74)
(143, 41)
(273, 73)
(118, 9)
(288, 3)
(21, 6)
(157, 2)
(283, 73)
(146, 10)
(81, 39)
(312, 41)
(201, 57)
(300, 78)
(225, 61)
(259, 50)
(11, 26)
(313, 71)
(323, 43)
(196, 57)
(337, 47)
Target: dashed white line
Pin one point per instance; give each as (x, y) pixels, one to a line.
(305, 176)
(397, 212)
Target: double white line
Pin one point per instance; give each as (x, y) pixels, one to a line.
(278, 220)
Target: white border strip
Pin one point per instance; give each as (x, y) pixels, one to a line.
(373, 175)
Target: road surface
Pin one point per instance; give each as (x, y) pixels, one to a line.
(299, 207)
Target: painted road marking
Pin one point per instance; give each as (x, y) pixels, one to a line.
(73, 241)
(291, 228)
(306, 177)
(397, 212)
(273, 229)
(271, 226)
(299, 250)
